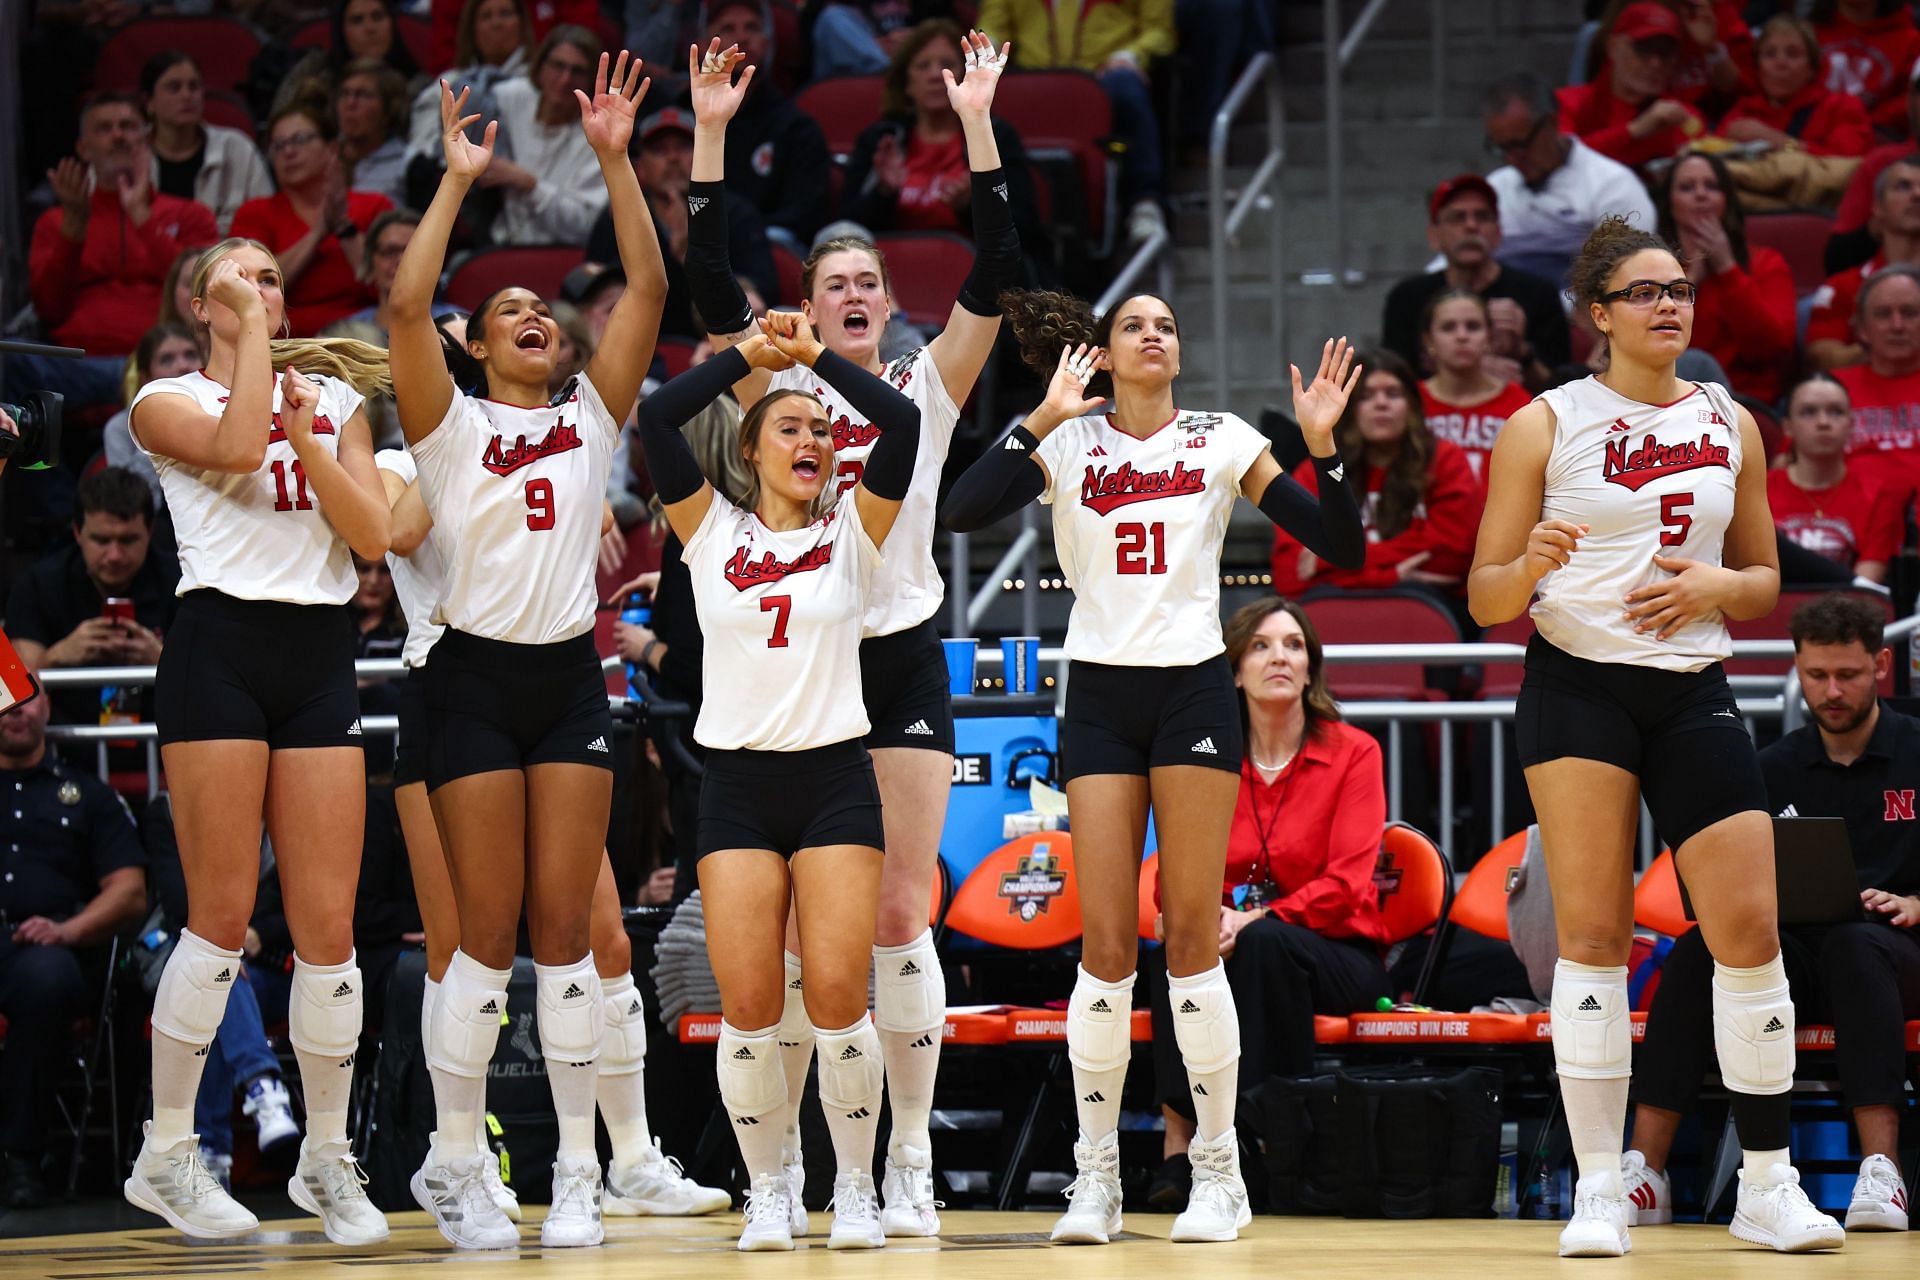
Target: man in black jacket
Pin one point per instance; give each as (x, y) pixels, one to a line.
(777, 157)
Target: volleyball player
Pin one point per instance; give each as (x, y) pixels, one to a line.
(789, 808)
(273, 492)
(903, 674)
(1140, 498)
(1633, 505)
(518, 766)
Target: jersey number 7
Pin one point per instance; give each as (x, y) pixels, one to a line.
(780, 607)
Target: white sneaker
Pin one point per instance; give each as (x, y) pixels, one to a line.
(1771, 1209)
(769, 1224)
(176, 1184)
(1217, 1205)
(1649, 1193)
(1598, 1228)
(907, 1187)
(505, 1198)
(220, 1165)
(656, 1185)
(329, 1184)
(856, 1213)
(1144, 220)
(455, 1194)
(1879, 1197)
(1093, 1198)
(573, 1216)
(794, 1170)
(272, 1110)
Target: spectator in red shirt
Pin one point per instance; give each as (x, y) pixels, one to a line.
(1870, 45)
(1831, 340)
(1465, 402)
(1793, 108)
(1820, 504)
(1422, 504)
(99, 257)
(315, 225)
(1717, 63)
(1300, 927)
(1629, 113)
(1745, 314)
(1885, 390)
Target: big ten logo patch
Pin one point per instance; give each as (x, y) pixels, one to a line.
(1033, 883)
(972, 770)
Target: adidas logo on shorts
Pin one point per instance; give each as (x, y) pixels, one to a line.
(342, 991)
(598, 744)
(909, 970)
(353, 730)
(849, 1054)
(1773, 1024)
(1589, 1005)
(919, 727)
(1205, 747)
(743, 1054)
(573, 992)
(1188, 1006)
(1100, 1006)
(924, 1042)
(491, 1006)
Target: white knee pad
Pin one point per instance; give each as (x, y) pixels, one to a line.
(795, 1027)
(1592, 1033)
(325, 1008)
(747, 1064)
(851, 1073)
(1753, 1034)
(1205, 1023)
(194, 986)
(909, 987)
(467, 1018)
(573, 1012)
(1100, 1023)
(623, 1050)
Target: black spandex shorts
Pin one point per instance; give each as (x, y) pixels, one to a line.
(258, 669)
(410, 745)
(494, 705)
(904, 678)
(1679, 732)
(787, 801)
(1133, 719)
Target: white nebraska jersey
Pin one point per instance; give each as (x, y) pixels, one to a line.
(1648, 480)
(781, 615)
(1138, 526)
(418, 579)
(909, 588)
(262, 535)
(518, 495)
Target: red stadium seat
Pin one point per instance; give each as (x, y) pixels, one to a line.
(539, 267)
(1656, 899)
(1149, 894)
(1372, 617)
(314, 35)
(787, 273)
(1481, 903)
(223, 48)
(1023, 895)
(676, 354)
(927, 269)
(1799, 236)
(1065, 118)
(227, 108)
(843, 106)
(1414, 882)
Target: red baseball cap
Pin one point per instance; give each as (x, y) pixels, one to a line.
(1645, 20)
(1467, 184)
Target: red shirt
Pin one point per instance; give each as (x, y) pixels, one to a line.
(1856, 206)
(1445, 524)
(546, 14)
(1871, 60)
(1472, 427)
(1833, 303)
(1315, 832)
(328, 290)
(1693, 82)
(102, 292)
(1745, 320)
(1886, 428)
(1854, 520)
(1598, 118)
(1836, 123)
(929, 167)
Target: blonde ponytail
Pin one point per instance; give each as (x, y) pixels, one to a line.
(360, 365)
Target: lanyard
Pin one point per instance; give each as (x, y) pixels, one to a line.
(1259, 888)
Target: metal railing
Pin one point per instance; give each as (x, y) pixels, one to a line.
(1223, 223)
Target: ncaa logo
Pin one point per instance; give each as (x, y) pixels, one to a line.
(1034, 882)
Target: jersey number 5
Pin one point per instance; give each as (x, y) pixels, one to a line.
(1131, 554)
(1675, 523)
(780, 607)
(539, 505)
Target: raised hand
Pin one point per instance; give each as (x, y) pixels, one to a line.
(791, 335)
(973, 95)
(226, 286)
(298, 400)
(136, 196)
(890, 164)
(1067, 393)
(607, 117)
(69, 181)
(710, 82)
(466, 160)
(1318, 405)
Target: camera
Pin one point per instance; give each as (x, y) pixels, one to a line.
(37, 446)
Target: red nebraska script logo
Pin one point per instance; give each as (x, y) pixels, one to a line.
(1632, 468)
(1107, 490)
(745, 574)
(322, 426)
(504, 462)
(846, 435)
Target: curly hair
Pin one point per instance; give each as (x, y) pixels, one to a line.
(1405, 485)
(1610, 244)
(1043, 321)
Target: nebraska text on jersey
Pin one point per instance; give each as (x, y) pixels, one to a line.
(1106, 489)
(504, 462)
(746, 574)
(322, 426)
(1630, 468)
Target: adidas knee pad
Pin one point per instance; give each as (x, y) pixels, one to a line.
(909, 987)
(325, 1008)
(467, 1018)
(623, 1049)
(795, 1027)
(1100, 1023)
(851, 1074)
(1753, 1029)
(747, 1064)
(194, 986)
(1205, 1023)
(1592, 1033)
(573, 1013)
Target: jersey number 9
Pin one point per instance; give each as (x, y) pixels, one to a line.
(539, 505)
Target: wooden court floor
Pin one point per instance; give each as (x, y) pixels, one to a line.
(1004, 1246)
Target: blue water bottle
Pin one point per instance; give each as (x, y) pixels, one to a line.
(639, 612)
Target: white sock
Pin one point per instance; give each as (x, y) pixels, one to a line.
(623, 1076)
(852, 1082)
(573, 1107)
(1215, 1097)
(913, 1061)
(1596, 1121)
(751, 1088)
(796, 1055)
(1097, 1091)
(458, 1103)
(177, 1067)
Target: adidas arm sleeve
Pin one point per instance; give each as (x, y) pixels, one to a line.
(1001, 481)
(1329, 526)
(996, 245)
(717, 295)
(676, 472)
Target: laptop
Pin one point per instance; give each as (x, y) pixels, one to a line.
(1813, 873)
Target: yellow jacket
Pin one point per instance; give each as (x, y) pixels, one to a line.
(1080, 33)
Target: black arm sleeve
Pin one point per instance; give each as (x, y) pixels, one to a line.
(717, 296)
(1001, 481)
(996, 245)
(676, 472)
(1328, 527)
(889, 470)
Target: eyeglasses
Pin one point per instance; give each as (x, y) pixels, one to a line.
(292, 142)
(1645, 293)
(1498, 148)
